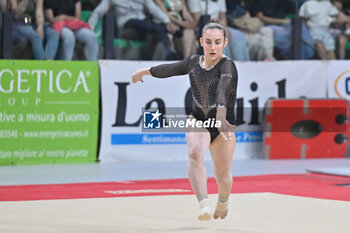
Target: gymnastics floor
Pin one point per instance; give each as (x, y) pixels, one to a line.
(268, 196)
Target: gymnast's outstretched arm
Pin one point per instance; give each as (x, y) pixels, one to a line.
(162, 71)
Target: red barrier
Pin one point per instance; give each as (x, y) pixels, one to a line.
(306, 128)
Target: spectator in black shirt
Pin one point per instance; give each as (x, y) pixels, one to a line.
(273, 13)
(65, 16)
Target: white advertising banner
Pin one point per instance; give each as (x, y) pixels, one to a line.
(339, 79)
(123, 104)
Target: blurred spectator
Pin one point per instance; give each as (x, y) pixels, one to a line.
(65, 17)
(296, 5)
(237, 44)
(259, 38)
(178, 13)
(3, 4)
(319, 15)
(273, 13)
(340, 29)
(132, 23)
(3, 7)
(89, 5)
(29, 24)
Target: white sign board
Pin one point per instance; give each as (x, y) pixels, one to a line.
(122, 106)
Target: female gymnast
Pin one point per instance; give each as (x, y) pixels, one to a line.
(213, 79)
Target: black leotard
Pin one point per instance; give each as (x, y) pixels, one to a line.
(210, 87)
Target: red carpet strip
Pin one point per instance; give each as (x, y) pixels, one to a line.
(305, 185)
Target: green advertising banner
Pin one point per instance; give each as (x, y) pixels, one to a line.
(49, 112)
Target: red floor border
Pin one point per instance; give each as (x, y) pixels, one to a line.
(306, 185)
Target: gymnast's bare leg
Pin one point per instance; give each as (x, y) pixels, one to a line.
(221, 151)
(198, 143)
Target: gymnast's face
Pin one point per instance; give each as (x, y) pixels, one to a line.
(213, 43)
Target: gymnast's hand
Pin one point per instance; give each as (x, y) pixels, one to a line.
(138, 75)
(226, 130)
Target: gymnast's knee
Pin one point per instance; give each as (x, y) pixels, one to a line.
(196, 154)
(224, 178)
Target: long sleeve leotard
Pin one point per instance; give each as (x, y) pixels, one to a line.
(210, 87)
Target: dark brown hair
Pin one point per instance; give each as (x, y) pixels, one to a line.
(214, 24)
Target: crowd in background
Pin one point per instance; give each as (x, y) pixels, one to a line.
(257, 30)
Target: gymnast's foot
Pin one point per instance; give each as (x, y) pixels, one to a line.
(221, 209)
(204, 210)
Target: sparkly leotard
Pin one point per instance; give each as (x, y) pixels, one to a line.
(210, 87)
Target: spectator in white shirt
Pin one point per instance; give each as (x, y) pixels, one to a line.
(236, 48)
(132, 23)
(318, 15)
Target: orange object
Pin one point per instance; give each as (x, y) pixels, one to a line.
(71, 24)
